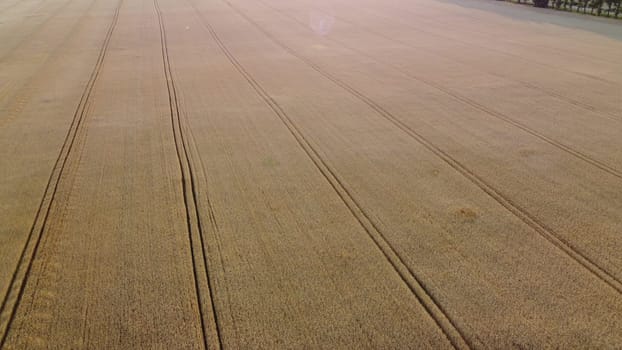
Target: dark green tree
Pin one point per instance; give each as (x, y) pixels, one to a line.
(541, 3)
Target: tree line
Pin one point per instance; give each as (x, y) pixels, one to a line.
(607, 8)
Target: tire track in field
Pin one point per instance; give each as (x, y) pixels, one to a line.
(11, 301)
(572, 101)
(6, 8)
(191, 203)
(36, 29)
(9, 6)
(513, 41)
(465, 43)
(545, 91)
(408, 276)
(474, 104)
(21, 98)
(546, 232)
(210, 211)
(548, 92)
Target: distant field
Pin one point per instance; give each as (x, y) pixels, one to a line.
(302, 174)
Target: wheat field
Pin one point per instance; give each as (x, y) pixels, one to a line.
(306, 174)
